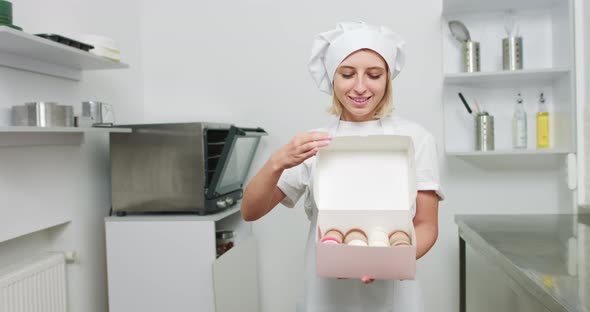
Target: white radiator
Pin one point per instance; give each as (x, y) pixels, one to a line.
(35, 285)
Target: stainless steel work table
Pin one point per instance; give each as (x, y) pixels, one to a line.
(541, 254)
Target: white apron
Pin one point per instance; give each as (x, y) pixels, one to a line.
(333, 295)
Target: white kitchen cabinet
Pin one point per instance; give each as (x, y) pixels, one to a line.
(168, 263)
(547, 29)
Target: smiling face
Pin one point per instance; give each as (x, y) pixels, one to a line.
(360, 84)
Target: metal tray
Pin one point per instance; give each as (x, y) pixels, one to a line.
(67, 41)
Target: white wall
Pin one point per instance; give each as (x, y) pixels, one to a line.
(70, 179)
(244, 62)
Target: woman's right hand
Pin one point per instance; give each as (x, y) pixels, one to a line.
(301, 147)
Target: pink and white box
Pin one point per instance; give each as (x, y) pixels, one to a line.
(367, 183)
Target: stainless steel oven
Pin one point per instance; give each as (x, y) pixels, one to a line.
(180, 167)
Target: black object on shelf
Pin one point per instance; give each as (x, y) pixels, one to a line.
(67, 41)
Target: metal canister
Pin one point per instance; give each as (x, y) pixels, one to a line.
(484, 128)
(66, 115)
(512, 53)
(93, 110)
(471, 56)
(43, 114)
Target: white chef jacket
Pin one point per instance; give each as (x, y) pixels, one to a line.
(329, 294)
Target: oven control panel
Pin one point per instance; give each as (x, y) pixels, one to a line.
(224, 201)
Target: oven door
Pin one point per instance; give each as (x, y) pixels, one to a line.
(236, 158)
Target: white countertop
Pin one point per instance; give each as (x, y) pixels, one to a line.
(177, 217)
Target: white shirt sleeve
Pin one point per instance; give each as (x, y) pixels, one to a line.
(427, 177)
(293, 183)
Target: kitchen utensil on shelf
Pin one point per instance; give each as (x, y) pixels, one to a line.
(512, 57)
(470, 48)
(459, 31)
(484, 128)
(465, 103)
(5, 116)
(477, 107)
(471, 56)
(510, 25)
(98, 113)
(512, 53)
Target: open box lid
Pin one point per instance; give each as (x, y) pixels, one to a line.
(375, 172)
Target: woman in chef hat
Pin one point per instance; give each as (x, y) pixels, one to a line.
(355, 63)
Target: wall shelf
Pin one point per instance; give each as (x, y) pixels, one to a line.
(24, 129)
(32, 136)
(530, 152)
(19, 228)
(464, 6)
(500, 79)
(510, 159)
(27, 52)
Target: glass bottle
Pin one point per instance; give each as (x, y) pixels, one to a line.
(542, 124)
(519, 125)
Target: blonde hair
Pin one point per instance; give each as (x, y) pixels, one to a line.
(383, 109)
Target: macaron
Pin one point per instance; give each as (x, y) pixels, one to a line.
(399, 238)
(378, 238)
(333, 236)
(356, 237)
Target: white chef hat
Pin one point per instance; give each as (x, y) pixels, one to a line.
(330, 48)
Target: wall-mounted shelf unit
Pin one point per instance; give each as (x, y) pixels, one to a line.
(546, 27)
(28, 136)
(27, 52)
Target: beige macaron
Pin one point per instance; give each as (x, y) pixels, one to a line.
(399, 238)
(356, 237)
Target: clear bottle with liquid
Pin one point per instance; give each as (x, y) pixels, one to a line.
(519, 125)
(542, 124)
